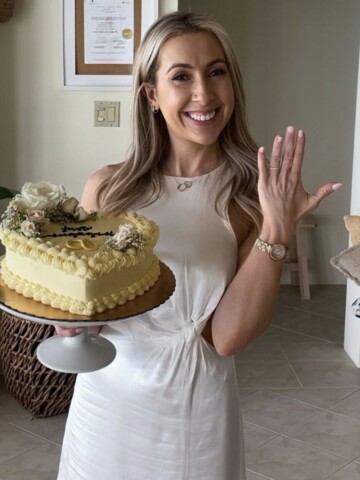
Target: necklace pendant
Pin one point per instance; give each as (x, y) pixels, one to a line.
(184, 185)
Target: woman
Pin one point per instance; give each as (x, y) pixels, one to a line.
(167, 408)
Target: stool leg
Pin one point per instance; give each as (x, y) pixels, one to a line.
(303, 272)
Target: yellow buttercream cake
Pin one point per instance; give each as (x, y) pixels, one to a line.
(61, 255)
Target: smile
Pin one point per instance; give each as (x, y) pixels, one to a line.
(202, 117)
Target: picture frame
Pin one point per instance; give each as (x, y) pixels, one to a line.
(79, 74)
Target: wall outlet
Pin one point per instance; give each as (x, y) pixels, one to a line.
(107, 114)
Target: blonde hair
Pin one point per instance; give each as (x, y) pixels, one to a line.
(138, 181)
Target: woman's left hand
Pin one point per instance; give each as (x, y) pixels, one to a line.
(283, 199)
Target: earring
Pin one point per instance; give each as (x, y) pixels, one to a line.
(155, 110)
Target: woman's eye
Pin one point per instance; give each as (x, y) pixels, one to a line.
(217, 72)
(181, 77)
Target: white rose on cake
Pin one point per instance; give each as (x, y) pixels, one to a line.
(42, 195)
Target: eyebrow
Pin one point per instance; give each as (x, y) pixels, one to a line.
(187, 65)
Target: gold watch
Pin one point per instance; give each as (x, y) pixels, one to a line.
(276, 251)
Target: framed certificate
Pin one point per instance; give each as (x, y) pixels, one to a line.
(100, 38)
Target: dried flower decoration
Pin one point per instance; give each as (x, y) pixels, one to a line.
(38, 204)
(126, 237)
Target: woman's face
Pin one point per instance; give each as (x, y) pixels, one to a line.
(193, 89)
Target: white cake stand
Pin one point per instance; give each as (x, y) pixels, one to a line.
(83, 352)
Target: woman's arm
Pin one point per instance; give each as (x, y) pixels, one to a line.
(248, 304)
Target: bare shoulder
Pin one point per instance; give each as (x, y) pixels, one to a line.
(89, 197)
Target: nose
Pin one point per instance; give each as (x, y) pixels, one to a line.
(202, 92)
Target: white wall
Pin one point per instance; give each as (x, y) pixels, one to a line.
(299, 59)
(352, 323)
(47, 132)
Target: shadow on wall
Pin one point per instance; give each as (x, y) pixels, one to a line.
(11, 53)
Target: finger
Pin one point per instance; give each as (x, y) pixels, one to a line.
(275, 159)
(263, 171)
(288, 151)
(324, 192)
(298, 154)
(68, 331)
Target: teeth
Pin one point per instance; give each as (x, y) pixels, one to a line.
(201, 117)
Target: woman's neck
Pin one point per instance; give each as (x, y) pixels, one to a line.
(192, 163)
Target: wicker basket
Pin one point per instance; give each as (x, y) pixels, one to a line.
(42, 391)
(352, 223)
(6, 10)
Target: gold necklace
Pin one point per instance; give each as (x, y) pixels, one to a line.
(182, 186)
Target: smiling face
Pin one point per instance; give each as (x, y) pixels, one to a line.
(193, 89)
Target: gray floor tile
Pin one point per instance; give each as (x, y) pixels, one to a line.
(275, 412)
(51, 428)
(260, 352)
(350, 406)
(350, 472)
(246, 392)
(276, 334)
(286, 459)
(315, 351)
(255, 476)
(15, 442)
(38, 464)
(11, 408)
(332, 432)
(256, 436)
(321, 295)
(265, 375)
(319, 397)
(327, 374)
(324, 328)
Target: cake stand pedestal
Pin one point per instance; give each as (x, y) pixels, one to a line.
(83, 352)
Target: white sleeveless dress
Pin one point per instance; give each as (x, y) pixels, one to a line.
(167, 408)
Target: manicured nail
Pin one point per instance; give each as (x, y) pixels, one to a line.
(261, 149)
(300, 133)
(279, 138)
(290, 129)
(336, 186)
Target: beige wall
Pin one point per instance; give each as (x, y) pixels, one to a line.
(299, 60)
(47, 132)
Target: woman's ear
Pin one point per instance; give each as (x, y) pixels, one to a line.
(150, 92)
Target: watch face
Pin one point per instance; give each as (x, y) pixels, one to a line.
(278, 252)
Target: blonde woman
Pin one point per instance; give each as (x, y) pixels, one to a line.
(167, 408)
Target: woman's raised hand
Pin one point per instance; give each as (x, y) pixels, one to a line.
(68, 331)
(283, 199)
(73, 331)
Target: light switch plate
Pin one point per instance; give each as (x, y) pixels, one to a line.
(106, 114)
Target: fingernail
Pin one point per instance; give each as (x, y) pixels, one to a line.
(336, 186)
(279, 138)
(78, 330)
(261, 149)
(300, 133)
(290, 129)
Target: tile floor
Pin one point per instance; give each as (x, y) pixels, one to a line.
(300, 398)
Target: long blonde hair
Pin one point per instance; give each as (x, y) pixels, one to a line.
(138, 181)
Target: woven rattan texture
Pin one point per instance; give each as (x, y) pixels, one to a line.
(42, 391)
(6, 10)
(352, 223)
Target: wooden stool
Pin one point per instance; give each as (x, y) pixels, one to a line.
(297, 258)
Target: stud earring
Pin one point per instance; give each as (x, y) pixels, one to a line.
(155, 110)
